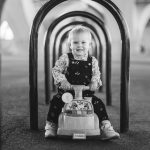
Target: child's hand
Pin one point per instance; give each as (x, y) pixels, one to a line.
(93, 86)
(65, 85)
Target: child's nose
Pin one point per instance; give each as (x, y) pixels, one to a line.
(80, 43)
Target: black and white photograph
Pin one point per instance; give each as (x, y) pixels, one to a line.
(75, 74)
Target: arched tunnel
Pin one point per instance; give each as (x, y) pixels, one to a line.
(39, 37)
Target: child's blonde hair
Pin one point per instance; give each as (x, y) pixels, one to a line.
(78, 29)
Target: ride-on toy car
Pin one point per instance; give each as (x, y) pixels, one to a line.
(77, 118)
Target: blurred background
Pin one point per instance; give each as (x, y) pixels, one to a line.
(17, 17)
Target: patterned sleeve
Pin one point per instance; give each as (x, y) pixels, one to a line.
(59, 69)
(96, 72)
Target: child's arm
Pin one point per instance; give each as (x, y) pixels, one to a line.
(95, 81)
(59, 71)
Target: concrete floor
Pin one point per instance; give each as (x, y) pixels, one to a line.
(16, 133)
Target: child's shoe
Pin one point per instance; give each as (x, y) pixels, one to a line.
(107, 131)
(50, 129)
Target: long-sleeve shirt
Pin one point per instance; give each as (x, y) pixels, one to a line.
(62, 63)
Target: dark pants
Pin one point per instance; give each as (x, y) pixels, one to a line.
(57, 104)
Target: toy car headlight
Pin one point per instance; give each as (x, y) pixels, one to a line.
(67, 97)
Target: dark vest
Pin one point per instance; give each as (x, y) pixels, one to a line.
(79, 72)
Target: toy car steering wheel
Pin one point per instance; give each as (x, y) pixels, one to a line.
(67, 97)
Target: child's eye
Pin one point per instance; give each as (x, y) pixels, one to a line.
(83, 42)
(75, 42)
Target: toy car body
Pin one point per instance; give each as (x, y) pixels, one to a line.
(78, 119)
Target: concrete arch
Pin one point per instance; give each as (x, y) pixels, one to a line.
(144, 18)
(29, 11)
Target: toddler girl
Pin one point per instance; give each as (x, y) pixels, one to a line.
(78, 68)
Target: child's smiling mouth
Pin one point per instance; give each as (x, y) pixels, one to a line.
(79, 49)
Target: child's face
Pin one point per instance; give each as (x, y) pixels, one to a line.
(80, 43)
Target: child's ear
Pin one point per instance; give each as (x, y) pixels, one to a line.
(90, 45)
(68, 46)
(90, 48)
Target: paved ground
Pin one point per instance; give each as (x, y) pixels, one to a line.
(16, 133)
